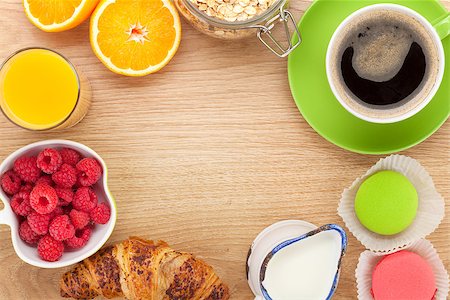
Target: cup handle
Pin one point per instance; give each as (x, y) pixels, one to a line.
(442, 26)
(6, 214)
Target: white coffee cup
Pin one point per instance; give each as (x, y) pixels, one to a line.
(440, 30)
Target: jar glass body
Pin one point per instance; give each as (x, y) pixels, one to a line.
(223, 29)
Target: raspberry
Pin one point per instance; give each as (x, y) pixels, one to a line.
(49, 160)
(80, 239)
(61, 228)
(50, 249)
(43, 199)
(46, 179)
(85, 199)
(27, 169)
(65, 195)
(56, 212)
(20, 204)
(38, 223)
(70, 156)
(66, 209)
(79, 218)
(66, 176)
(90, 171)
(27, 234)
(10, 182)
(100, 214)
(27, 187)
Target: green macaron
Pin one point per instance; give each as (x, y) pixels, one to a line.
(386, 203)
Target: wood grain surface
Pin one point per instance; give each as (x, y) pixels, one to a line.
(204, 154)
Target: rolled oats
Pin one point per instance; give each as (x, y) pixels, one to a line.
(232, 10)
(250, 10)
(226, 12)
(238, 9)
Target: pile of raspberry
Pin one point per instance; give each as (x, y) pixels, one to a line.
(52, 196)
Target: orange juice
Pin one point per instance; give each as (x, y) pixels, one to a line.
(40, 89)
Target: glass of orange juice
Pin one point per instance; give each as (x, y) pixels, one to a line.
(41, 90)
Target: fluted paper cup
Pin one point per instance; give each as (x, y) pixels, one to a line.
(368, 260)
(430, 211)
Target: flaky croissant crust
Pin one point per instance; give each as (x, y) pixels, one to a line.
(142, 269)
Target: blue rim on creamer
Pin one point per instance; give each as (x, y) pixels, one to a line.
(280, 246)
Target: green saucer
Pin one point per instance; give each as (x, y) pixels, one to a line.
(319, 107)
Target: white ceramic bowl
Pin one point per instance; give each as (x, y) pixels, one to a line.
(100, 234)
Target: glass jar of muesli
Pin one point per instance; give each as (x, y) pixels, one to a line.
(237, 19)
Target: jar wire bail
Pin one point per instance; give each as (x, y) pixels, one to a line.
(285, 17)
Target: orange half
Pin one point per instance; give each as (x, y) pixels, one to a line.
(59, 15)
(135, 37)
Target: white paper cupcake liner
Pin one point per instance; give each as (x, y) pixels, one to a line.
(430, 211)
(368, 260)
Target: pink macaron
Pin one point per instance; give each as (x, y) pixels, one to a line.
(403, 275)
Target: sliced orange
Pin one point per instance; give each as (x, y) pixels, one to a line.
(135, 37)
(58, 15)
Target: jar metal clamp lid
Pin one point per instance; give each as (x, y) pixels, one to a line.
(214, 22)
(264, 33)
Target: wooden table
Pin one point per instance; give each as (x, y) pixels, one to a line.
(203, 154)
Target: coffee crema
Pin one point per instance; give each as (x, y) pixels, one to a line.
(385, 63)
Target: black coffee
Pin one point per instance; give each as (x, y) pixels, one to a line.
(397, 88)
(384, 62)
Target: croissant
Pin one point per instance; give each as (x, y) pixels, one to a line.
(140, 269)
